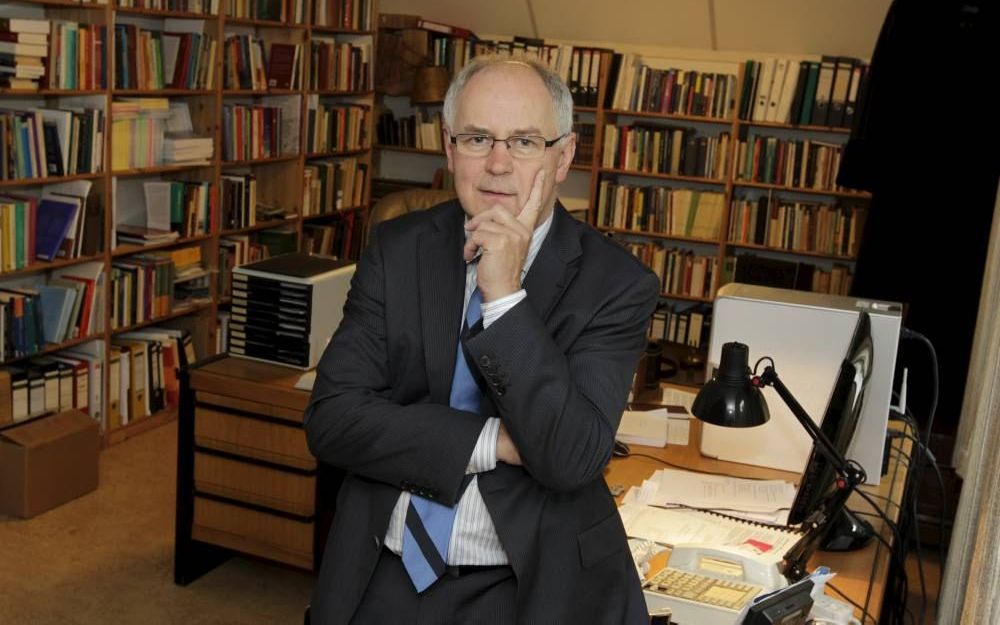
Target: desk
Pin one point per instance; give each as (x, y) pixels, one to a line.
(861, 575)
(246, 481)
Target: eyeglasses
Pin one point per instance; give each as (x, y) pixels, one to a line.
(530, 146)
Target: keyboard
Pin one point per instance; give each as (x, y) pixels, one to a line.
(698, 599)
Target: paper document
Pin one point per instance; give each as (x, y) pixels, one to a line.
(675, 526)
(767, 501)
(306, 380)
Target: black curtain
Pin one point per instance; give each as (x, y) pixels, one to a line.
(925, 144)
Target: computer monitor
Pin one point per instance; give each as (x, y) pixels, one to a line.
(820, 499)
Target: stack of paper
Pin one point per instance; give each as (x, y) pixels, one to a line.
(767, 501)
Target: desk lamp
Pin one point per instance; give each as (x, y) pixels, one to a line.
(733, 399)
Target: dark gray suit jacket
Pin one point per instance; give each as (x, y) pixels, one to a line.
(557, 367)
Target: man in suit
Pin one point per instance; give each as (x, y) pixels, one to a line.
(478, 377)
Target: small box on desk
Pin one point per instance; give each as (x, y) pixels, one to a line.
(286, 308)
(46, 462)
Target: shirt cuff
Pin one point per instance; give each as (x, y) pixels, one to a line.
(495, 309)
(484, 455)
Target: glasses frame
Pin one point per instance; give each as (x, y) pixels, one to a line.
(453, 138)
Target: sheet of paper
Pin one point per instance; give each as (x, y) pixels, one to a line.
(718, 492)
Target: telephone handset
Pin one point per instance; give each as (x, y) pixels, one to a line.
(730, 563)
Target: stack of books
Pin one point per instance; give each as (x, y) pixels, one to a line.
(24, 49)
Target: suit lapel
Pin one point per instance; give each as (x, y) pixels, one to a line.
(442, 286)
(556, 264)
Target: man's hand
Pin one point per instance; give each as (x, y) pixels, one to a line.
(503, 240)
(506, 450)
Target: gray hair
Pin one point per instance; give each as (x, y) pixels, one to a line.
(562, 100)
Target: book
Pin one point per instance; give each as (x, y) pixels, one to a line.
(281, 65)
(55, 217)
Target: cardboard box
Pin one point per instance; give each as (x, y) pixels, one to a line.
(46, 462)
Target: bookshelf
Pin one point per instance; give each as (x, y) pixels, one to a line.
(749, 192)
(268, 85)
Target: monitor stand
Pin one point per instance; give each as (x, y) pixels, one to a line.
(847, 532)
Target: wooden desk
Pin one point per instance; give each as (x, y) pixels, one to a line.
(246, 482)
(861, 575)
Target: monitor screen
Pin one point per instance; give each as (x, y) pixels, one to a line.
(839, 422)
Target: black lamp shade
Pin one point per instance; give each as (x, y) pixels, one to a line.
(730, 399)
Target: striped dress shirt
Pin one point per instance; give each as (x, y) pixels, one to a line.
(474, 538)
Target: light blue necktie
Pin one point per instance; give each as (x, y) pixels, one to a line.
(428, 526)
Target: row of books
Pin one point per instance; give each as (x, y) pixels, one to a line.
(47, 384)
(585, 138)
(636, 83)
(686, 325)
(340, 66)
(803, 163)
(413, 131)
(676, 212)
(52, 309)
(43, 142)
(336, 127)
(681, 272)
(239, 201)
(153, 59)
(77, 56)
(137, 129)
(796, 226)
(207, 7)
(787, 274)
(347, 14)
(63, 222)
(251, 132)
(153, 211)
(666, 150)
(141, 288)
(288, 11)
(333, 185)
(817, 93)
(253, 63)
(142, 369)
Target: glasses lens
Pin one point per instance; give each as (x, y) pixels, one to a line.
(474, 145)
(526, 147)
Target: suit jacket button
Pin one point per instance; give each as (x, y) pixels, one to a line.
(378, 543)
(484, 360)
(500, 389)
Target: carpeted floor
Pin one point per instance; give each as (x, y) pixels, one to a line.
(107, 557)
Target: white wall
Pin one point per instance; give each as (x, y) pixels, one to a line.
(792, 27)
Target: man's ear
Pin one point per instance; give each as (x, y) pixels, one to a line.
(449, 149)
(566, 154)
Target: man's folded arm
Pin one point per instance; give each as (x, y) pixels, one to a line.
(352, 423)
(562, 409)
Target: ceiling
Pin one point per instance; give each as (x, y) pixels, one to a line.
(794, 27)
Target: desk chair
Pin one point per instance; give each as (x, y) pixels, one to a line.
(401, 202)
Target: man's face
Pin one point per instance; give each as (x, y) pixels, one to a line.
(501, 101)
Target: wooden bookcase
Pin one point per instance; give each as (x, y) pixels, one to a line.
(280, 177)
(586, 177)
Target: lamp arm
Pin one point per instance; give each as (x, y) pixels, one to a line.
(840, 463)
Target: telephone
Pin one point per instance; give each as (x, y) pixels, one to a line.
(710, 584)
